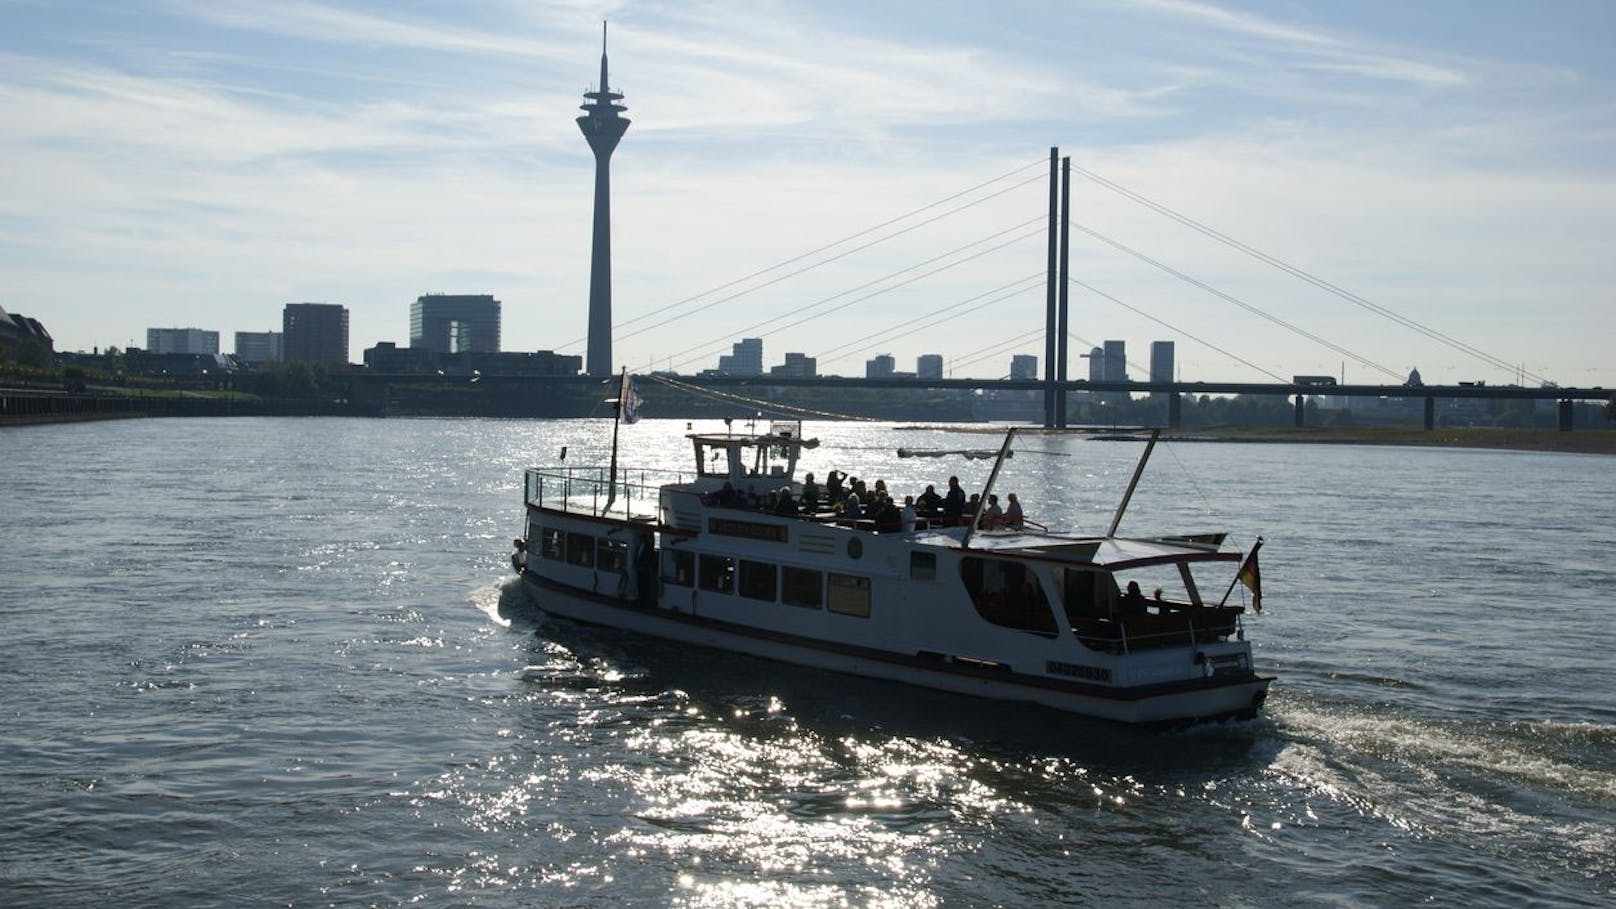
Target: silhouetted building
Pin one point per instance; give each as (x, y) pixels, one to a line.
(1023, 366)
(17, 330)
(796, 366)
(929, 366)
(450, 323)
(181, 341)
(880, 366)
(1161, 361)
(259, 346)
(745, 359)
(388, 357)
(1115, 370)
(603, 126)
(315, 333)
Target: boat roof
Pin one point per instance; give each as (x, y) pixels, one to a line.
(749, 440)
(1113, 553)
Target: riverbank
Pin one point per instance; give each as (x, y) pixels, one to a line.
(1582, 441)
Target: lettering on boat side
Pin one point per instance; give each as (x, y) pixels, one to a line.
(726, 527)
(1078, 671)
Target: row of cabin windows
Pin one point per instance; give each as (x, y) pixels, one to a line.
(583, 550)
(766, 582)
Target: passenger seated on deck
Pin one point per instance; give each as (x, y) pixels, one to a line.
(810, 495)
(993, 516)
(1013, 518)
(1132, 602)
(929, 501)
(851, 508)
(727, 496)
(906, 515)
(784, 501)
(887, 517)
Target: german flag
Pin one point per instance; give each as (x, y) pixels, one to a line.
(1252, 577)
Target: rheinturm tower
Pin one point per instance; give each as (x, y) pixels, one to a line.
(603, 125)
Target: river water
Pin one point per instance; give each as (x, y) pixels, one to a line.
(283, 661)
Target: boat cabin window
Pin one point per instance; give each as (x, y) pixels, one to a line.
(680, 568)
(611, 556)
(923, 566)
(1007, 594)
(580, 549)
(552, 543)
(757, 581)
(849, 595)
(717, 573)
(802, 587)
(1086, 594)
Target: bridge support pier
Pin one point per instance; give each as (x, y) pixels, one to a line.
(1567, 411)
(1301, 410)
(1430, 413)
(1175, 410)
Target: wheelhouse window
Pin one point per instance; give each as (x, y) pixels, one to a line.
(923, 566)
(611, 556)
(580, 549)
(1007, 594)
(757, 581)
(803, 587)
(717, 573)
(680, 568)
(552, 543)
(848, 595)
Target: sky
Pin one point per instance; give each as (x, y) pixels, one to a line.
(1437, 180)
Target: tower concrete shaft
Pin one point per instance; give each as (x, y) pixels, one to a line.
(602, 125)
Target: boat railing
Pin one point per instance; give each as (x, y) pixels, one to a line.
(588, 490)
(1200, 625)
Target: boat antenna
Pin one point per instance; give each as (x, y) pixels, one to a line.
(981, 503)
(1138, 471)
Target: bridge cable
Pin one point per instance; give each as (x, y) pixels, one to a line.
(1307, 276)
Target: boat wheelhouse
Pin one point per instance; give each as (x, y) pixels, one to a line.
(710, 559)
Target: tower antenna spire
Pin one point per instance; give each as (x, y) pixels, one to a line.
(602, 125)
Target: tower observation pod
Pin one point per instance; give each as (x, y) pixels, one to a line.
(602, 125)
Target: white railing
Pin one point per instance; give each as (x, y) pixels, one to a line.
(587, 490)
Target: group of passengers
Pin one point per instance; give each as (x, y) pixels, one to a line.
(849, 498)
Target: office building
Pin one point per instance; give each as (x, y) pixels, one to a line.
(314, 333)
(929, 366)
(1161, 361)
(881, 366)
(259, 346)
(1024, 366)
(745, 358)
(181, 341)
(455, 323)
(796, 366)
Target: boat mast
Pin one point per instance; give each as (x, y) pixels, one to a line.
(1138, 471)
(982, 502)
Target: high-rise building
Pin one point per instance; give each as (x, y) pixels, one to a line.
(744, 359)
(1116, 361)
(603, 126)
(315, 333)
(259, 346)
(455, 323)
(880, 366)
(796, 366)
(929, 366)
(1023, 366)
(182, 341)
(1161, 361)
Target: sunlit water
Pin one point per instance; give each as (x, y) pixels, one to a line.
(260, 661)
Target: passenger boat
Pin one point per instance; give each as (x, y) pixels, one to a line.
(1012, 613)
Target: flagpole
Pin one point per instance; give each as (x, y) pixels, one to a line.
(617, 421)
(1250, 557)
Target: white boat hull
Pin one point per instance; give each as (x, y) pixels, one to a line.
(1210, 699)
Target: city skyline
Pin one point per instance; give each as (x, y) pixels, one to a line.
(203, 165)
